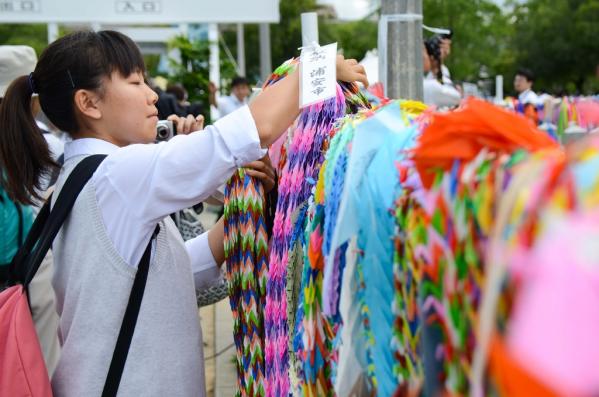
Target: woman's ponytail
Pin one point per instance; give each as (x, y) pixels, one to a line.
(24, 153)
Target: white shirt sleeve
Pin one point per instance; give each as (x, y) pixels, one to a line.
(139, 185)
(440, 95)
(205, 270)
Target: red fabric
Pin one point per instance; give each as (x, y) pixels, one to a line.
(23, 372)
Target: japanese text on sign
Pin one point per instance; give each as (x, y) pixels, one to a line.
(138, 6)
(24, 6)
(318, 74)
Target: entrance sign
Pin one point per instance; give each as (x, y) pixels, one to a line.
(139, 11)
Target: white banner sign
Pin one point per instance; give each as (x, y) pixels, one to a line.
(139, 11)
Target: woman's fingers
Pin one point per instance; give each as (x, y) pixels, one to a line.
(267, 181)
(199, 123)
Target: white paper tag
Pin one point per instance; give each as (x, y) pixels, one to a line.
(318, 74)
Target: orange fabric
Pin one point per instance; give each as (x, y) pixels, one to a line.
(530, 112)
(463, 133)
(511, 379)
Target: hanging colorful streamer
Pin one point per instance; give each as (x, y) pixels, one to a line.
(246, 252)
(304, 157)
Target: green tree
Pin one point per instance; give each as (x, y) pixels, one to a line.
(354, 38)
(33, 35)
(193, 69)
(559, 41)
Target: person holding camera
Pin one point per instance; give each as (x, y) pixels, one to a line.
(438, 87)
(92, 85)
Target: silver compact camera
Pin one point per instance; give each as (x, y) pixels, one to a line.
(165, 130)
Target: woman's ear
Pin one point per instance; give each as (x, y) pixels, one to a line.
(86, 102)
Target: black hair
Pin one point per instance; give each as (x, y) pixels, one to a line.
(433, 49)
(527, 74)
(76, 61)
(238, 80)
(177, 90)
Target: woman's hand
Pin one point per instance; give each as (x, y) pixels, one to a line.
(349, 70)
(188, 124)
(263, 171)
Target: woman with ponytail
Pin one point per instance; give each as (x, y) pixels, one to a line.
(91, 85)
(17, 217)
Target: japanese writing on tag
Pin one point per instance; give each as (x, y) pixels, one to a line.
(318, 74)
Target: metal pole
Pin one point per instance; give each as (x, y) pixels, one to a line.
(214, 61)
(184, 29)
(265, 58)
(498, 89)
(52, 32)
(240, 50)
(309, 28)
(400, 48)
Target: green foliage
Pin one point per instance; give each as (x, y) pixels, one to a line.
(193, 69)
(559, 41)
(354, 38)
(33, 35)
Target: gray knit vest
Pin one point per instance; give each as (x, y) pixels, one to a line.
(93, 283)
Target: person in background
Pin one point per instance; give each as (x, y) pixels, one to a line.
(240, 92)
(16, 218)
(439, 49)
(523, 83)
(14, 61)
(438, 89)
(182, 96)
(445, 52)
(167, 103)
(528, 100)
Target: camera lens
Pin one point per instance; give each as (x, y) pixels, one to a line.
(162, 132)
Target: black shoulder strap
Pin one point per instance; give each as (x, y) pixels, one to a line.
(119, 357)
(28, 259)
(43, 231)
(21, 225)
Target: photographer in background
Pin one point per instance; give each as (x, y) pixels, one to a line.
(439, 48)
(438, 87)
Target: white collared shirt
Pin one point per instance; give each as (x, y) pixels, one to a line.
(229, 104)
(440, 95)
(139, 185)
(529, 97)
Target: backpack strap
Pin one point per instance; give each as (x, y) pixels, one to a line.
(21, 226)
(39, 240)
(119, 357)
(28, 259)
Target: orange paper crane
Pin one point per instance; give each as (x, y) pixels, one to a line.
(462, 134)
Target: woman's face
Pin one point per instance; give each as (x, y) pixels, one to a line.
(129, 114)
